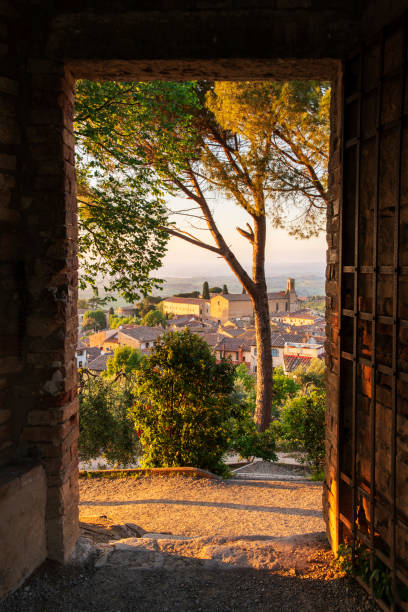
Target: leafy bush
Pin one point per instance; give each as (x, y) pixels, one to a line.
(105, 428)
(245, 387)
(183, 407)
(302, 423)
(115, 322)
(153, 318)
(284, 387)
(124, 361)
(379, 576)
(249, 443)
(313, 376)
(94, 320)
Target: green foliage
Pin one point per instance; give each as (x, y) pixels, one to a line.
(153, 318)
(145, 306)
(183, 405)
(121, 212)
(247, 441)
(317, 302)
(286, 146)
(206, 291)
(313, 376)
(94, 320)
(105, 428)
(317, 476)
(225, 290)
(379, 576)
(83, 303)
(215, 290)
(284, 387)
(115, 321)
(245, 387)
(302, 423)
(263, 145)
(125, 360)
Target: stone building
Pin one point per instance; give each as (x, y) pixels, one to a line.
(139, 337)
(186, 306)
(236, 305)
(361, 48)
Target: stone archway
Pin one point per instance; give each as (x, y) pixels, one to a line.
(44, 50)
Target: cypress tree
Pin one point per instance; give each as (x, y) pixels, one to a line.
(206, 291)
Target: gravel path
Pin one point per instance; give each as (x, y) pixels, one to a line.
(232, 557)
(190, 507)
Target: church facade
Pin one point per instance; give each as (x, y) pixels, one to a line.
(236, 305)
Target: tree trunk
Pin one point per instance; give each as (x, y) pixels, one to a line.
(264, 383)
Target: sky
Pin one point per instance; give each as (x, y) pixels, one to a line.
(184, 259)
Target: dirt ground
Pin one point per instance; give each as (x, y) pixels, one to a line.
(198, 507)
(223, 551)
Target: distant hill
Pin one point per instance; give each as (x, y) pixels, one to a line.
(305, 285)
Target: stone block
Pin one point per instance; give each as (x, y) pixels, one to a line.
(22, 524)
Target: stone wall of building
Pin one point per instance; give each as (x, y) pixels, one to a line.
(38, 414)
(330, 492)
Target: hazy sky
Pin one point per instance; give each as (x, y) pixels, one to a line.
(185, 259)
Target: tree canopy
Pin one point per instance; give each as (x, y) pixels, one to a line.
(153, 318)
(124, 361)
(263, 145)
(140, 142)
(94, 320)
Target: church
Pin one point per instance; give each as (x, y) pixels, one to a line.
(235, 305)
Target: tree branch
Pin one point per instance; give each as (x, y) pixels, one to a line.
(192, 240)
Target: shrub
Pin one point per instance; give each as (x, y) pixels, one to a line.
(303, 424)
(105, 428)
(115, 322)
(249, 443)
(182, 412)
(125, 360)
(153, 318)
(284, 387)
(94, 320)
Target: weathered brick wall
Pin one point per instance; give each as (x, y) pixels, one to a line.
(49, 427)
(330, 494)
(11, 360)
(38, 414)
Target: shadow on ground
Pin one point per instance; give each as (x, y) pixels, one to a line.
(150, 579)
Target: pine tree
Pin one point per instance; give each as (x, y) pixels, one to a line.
(225, 289)
(262, 145)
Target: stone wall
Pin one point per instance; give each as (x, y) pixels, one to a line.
(23, 497)
(38, 415)
(330, 492)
